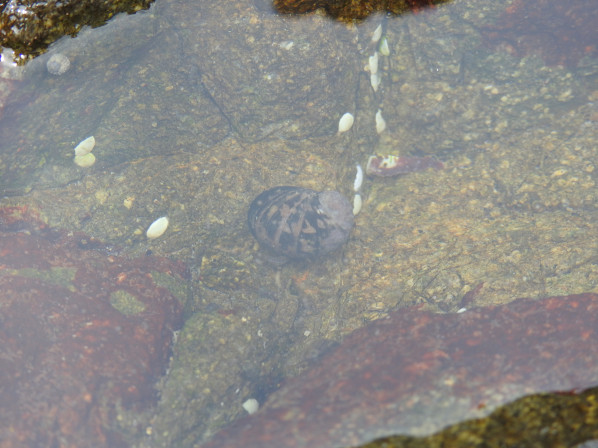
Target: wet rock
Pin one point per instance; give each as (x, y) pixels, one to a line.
(561, 412)
(351, 10)
(416, 372)
(25, 28)
(560, 33)
(83, 334)
(271, 77)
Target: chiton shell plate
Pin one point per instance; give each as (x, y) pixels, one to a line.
(300, 223)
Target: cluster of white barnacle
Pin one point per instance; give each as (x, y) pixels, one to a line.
(346, 121)
(381, 44)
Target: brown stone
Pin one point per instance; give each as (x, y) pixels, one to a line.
(417, 372)
(352, 9)
(561, 33)
(82, 333)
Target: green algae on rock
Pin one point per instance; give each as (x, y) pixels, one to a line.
(571, 417)
(29, 29)
(348, 10)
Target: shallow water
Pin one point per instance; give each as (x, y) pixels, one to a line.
(198, 109)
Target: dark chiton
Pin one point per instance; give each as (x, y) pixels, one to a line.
(299, 223)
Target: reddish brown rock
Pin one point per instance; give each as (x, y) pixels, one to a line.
(561, 33)
(81, 332)
(417, 372)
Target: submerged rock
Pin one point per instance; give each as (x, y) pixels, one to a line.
(417, 372)
(560, 33)
(83, 334)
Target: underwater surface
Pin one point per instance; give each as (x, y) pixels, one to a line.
(138, 307)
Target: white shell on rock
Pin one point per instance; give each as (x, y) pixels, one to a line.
(377, 34)
(380, 122)
(357, 204)
(358, 178)
(345, 123)
(157, 228)
(375, 81)
(373, 63)
(251, 405)
(58, 64)
(384, 50)
(85, 146)
(86, 160)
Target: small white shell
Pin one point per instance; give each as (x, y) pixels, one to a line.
(345, 123)
(373, 63)
(375, 81)
(286, 45)
(380, 122)
(58, 64)
(251, 405)
(157, 228)
(356, 204)
(384, 51)
(358, 179)
(85, 146)
(86, 160)
(377, 34)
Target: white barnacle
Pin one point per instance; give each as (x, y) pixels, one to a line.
(85, 161)
(373, 63)
(251, 405)
(157, 228)
(58, 64)
(380, 122)
(356, 204)
(377, 34)
(286, 45)
(383, 48)
(358, 178)
(85, 146)
(345, 123)
(375, 81)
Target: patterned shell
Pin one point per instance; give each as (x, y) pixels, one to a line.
(299, 223)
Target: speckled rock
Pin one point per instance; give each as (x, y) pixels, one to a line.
(416, 372)
(84, 334)
(276, 92)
